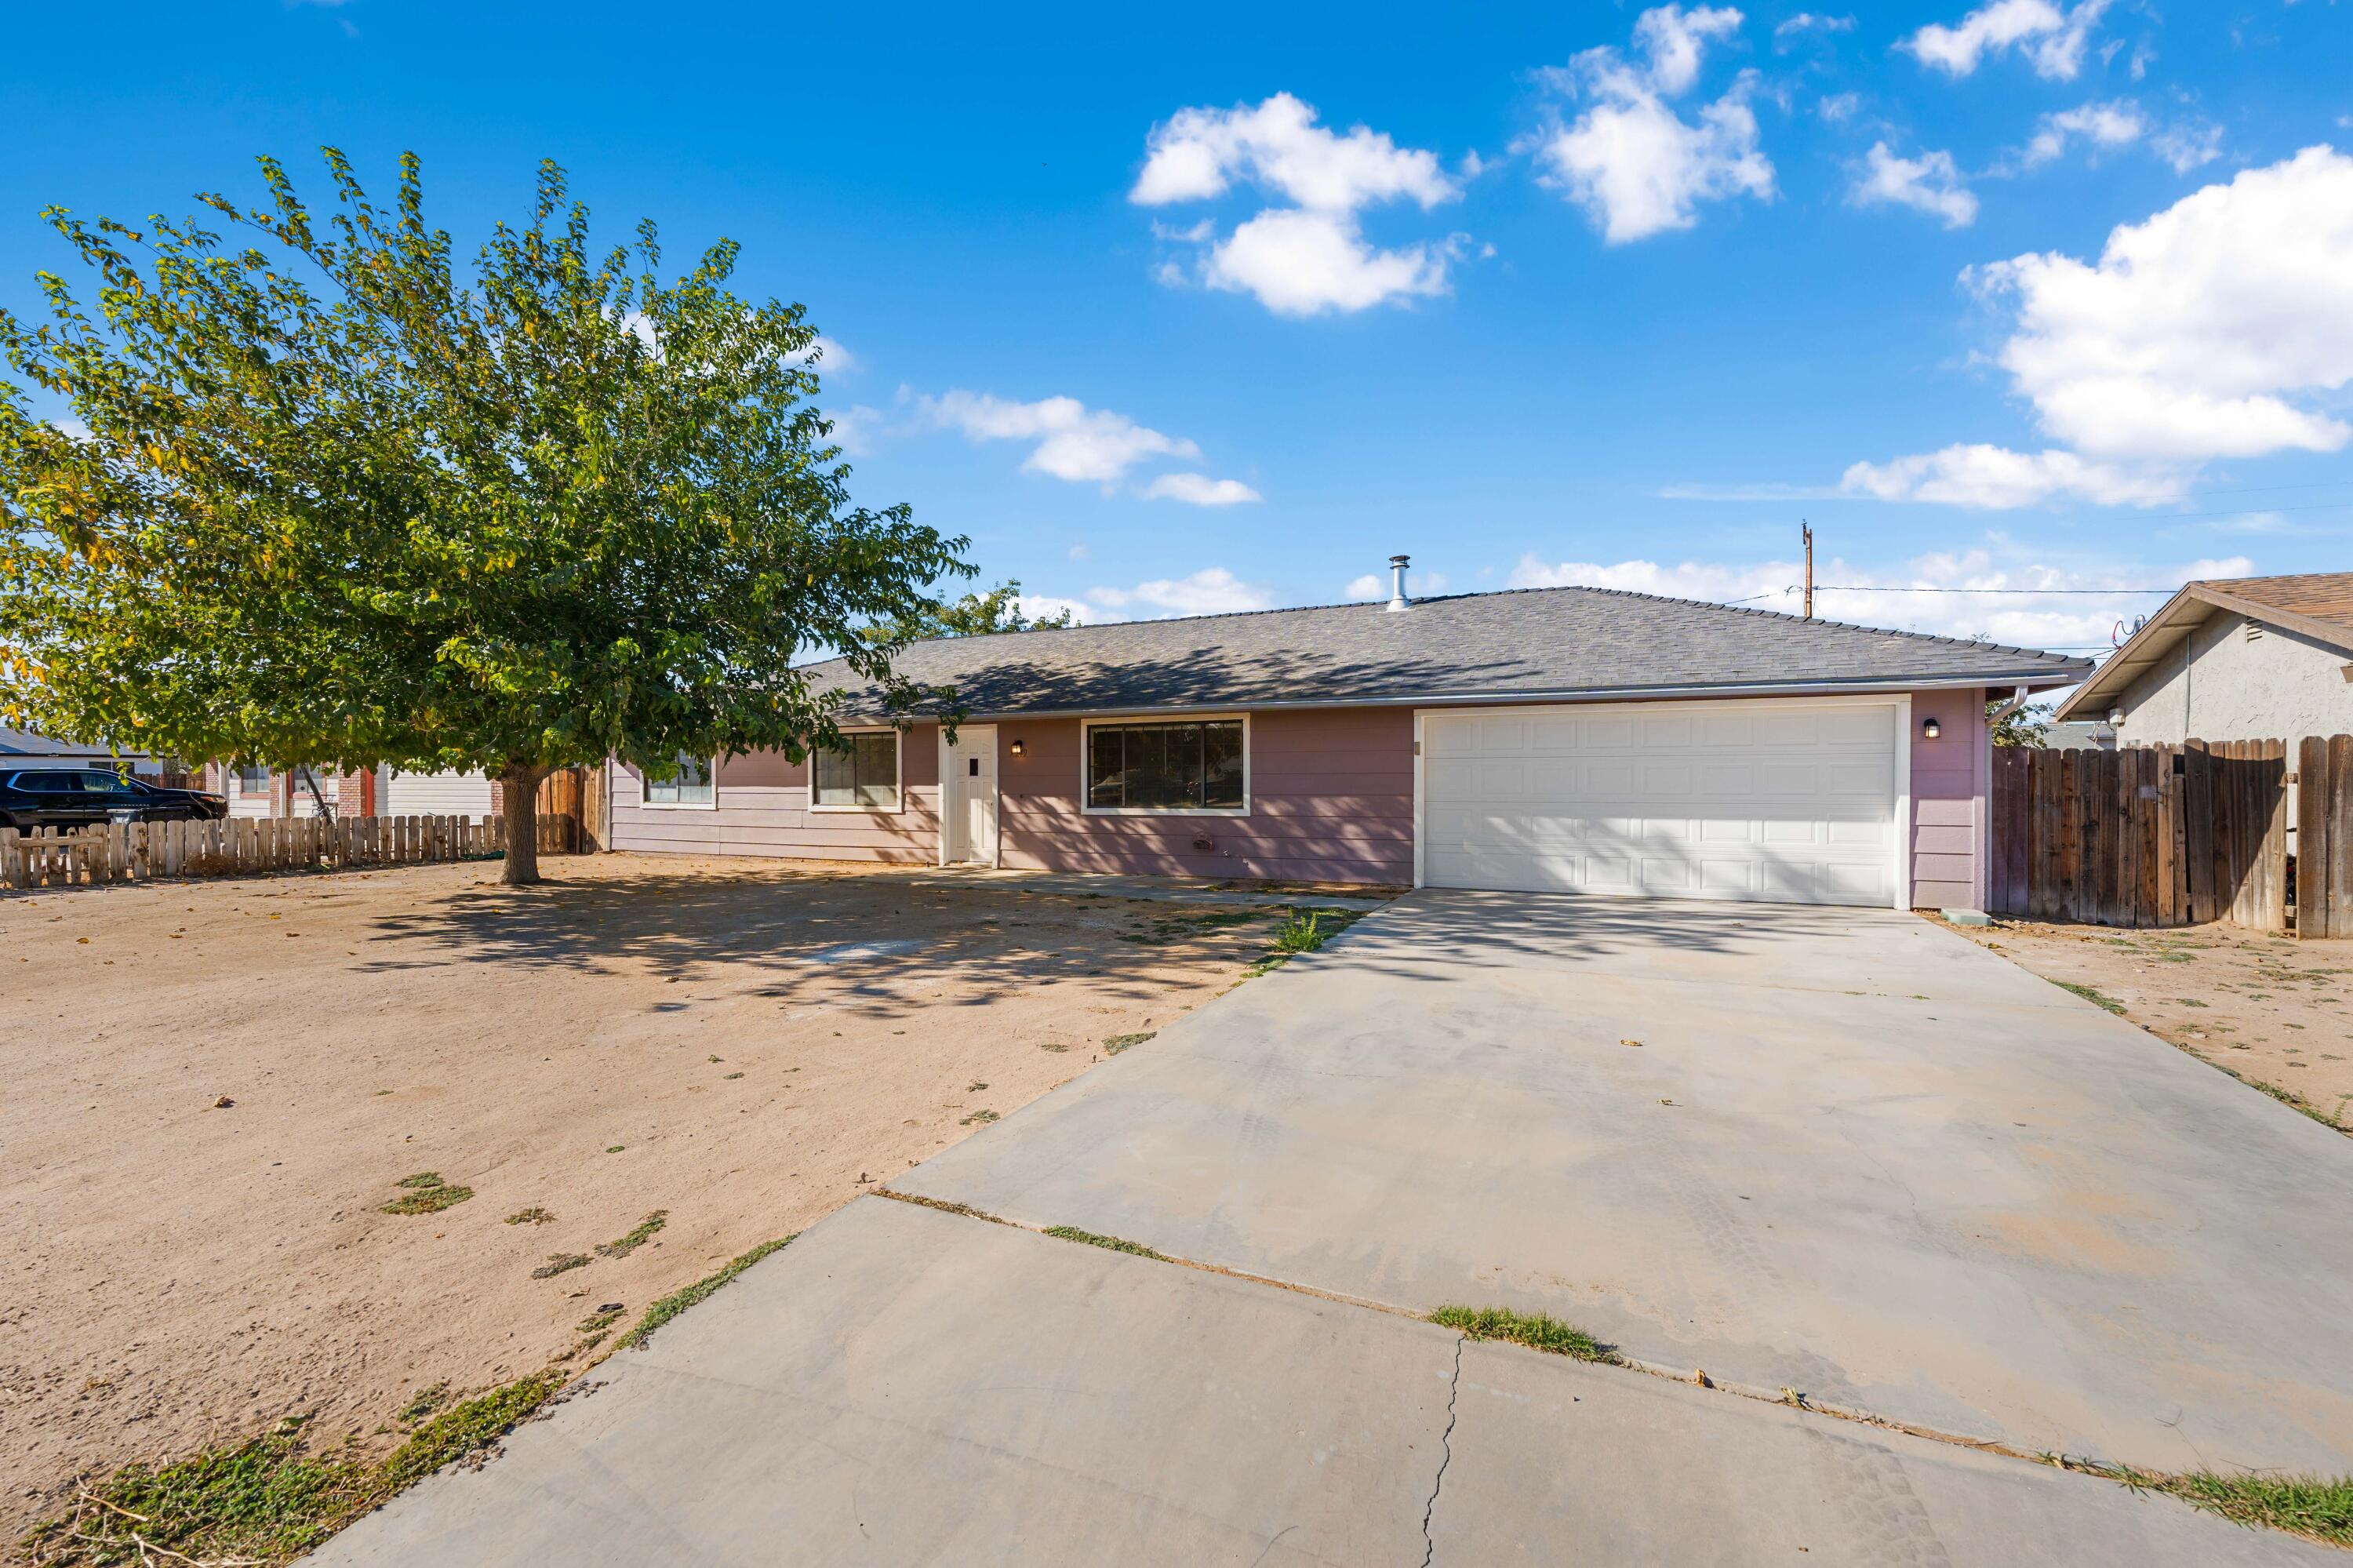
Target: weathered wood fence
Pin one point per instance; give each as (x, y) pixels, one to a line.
(2166, 835)
(2324, 833)
(249, 847)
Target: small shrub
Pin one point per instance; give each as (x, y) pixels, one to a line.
(427, 1194)
(533, 1216)
(637, 1238)
(1118, 1042)
(557, 1263)
(1072, 1232)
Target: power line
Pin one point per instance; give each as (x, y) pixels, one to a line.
(1865, 588)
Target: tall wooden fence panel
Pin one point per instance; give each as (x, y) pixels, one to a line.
(250, 846)
(2324, 836)
(2143, 836)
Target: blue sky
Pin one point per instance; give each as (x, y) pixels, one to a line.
(1175, 312)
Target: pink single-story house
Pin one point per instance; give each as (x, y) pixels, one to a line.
(1553, 739)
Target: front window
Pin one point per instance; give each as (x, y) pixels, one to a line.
(864, 773)
(1194, 767)
(252, 779)
(690, 786)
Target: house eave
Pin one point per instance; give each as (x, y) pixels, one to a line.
(2039, 679)
(2160, 633)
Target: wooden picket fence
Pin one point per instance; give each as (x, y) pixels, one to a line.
(2167, 835)
(250, 846)
(2324, 834)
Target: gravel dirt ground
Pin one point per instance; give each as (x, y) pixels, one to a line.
(196, 1149)
(2274, 1010)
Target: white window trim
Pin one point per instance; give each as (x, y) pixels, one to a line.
(1898, 703)
(646, 800)
(898, 779)
(1086, 752)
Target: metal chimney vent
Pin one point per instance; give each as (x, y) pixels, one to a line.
(1398, 600)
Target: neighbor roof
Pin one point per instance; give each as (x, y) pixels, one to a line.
(2319, 605)
(25, 743)
(1522, 645)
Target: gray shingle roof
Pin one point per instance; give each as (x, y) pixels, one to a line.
(1517, 645)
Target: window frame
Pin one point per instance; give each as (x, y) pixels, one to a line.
(1131, 721)
(646, 791)
(898, 773)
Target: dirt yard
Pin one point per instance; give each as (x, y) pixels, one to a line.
(2276, 1011)
(639, 1071)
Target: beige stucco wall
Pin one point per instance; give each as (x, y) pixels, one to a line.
(2218, 684)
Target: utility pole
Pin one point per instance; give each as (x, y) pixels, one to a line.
(1807, 530)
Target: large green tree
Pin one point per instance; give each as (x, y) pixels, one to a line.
(978, 614)
(327, 498)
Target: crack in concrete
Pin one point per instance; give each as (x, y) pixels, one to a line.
(1445, 1456)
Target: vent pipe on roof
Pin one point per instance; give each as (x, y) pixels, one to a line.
(1398, 600)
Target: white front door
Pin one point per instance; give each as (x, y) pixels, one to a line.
(1778, 799)
(968, 796)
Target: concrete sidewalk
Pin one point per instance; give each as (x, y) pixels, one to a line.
(1852, 1154)
(906, 1386)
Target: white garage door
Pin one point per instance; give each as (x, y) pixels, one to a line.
(437, 795)
(1790, 801)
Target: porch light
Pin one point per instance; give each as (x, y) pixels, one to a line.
(1930, 729)
(1014, 748)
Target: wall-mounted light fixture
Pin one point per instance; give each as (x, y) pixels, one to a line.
(1014, 748)
(1930, 730)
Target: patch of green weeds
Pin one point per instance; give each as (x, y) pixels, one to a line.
(1165, 929)
(2096, 999)
(265, 1500)
(1536, 1331)
(977, 1118)
(2317, 1507)
(1113, 1243)
(1118, 1042)
(677, 1301)
(596, 1322)
(1304, 931)
(427, 1194)
(532, 1217)
(615, 1148)
(426, 1402)
(558, 1263)
(638, 1238)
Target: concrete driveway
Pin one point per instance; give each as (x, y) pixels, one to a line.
(1852, 1155)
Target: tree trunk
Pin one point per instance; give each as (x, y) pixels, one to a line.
(520, 786)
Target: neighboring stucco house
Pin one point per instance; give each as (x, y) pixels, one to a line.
(2079, 735)
(22, 748)
(2241, 659)
(1569, 739)
(254, 791)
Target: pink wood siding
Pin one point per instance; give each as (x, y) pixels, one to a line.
(762, 808)
(1948, 800)
(1331, 800)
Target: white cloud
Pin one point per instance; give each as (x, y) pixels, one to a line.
(2221, 327)
(1302, 263)
(2052, 38)
(1312, 255)
(2116, 124)
(1839, 108)
(2028, 613)
(1635, 165)
(1376, 584)
(2185, 144)
(1213, 590)
(856, 429)
(1035, 604)
(1198, 490)
(1806, 22)
(826, 353)
(1081, 552)
(1278, 146)
(1073, 441)
(1930, 184)
(1994, 478)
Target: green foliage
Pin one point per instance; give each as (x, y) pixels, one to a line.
(2027, 727)
(427, 1194)
(973, 615)
(1114, 1244)
(637, 1238)
(2097, 997)
(267, 1499)
(1118, 1042)
(677, 1301)
(2318, 1507)
(1535, 1330)
(336, 499)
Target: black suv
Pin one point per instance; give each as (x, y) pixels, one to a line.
(76, 797)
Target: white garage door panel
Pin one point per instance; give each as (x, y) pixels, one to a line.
(1783, 801)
